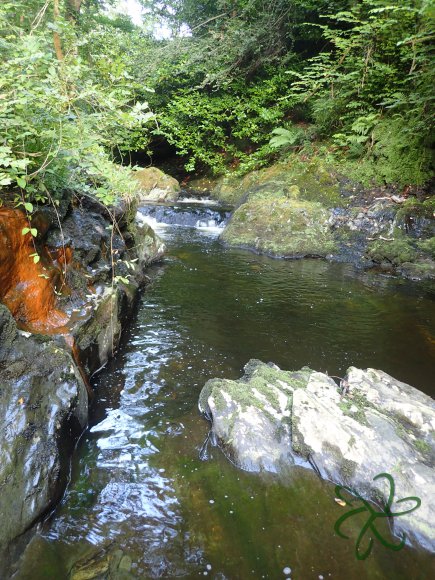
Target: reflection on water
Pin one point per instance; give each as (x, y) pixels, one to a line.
(141, 503)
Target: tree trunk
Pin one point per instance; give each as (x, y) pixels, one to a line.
(56, 38)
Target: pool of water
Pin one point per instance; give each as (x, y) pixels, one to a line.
(142, 504)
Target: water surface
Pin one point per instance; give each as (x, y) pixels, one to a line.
(141, 504)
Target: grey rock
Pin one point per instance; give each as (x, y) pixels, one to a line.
(271, 419)
(43, 407)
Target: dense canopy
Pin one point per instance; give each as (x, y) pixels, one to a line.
(235, 84)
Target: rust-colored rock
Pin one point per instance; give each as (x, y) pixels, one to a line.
(26, 288)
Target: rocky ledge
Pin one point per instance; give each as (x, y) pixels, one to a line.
(270, 420)
(305, 209)
(69, 309)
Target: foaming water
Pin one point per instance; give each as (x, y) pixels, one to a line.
(185, 213)
(141, 503)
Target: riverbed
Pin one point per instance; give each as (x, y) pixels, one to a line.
(147, 499)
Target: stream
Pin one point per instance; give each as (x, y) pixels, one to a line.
(141, 502)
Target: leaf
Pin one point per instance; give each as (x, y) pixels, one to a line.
(34, 232)
(28, 206)
(25, 231)
(340, 502)
(5, 180)
(21, 401)
(21, 182)
(36, 259)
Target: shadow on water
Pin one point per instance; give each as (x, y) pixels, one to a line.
(141, 503)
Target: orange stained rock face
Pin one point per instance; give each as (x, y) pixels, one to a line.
(26, 288)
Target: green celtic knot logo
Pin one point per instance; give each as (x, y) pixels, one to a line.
(373, 516)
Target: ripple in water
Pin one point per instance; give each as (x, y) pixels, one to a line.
(142, 504)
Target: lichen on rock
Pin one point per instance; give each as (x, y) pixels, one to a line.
(271, 419)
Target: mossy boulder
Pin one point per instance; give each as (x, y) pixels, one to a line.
(422, 269)
(314, 180)
(394, 251)
(156, 185)
(417, 217)
(281, 227)
(404, 255)
(270, 420)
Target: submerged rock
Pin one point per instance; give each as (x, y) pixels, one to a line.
(43, 407)
(156, 185)
(271, 419)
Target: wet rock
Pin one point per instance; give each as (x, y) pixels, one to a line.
(156, 185)
(283, 227)
(84, 232)
(97, 335)
(148, 248)
(105, 564)
(27, 285)
(270, 419)
(43, 399)
(43, 408)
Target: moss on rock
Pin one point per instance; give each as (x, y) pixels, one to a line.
(396, 252)
(420, 270)
(428, 247)
(313, 180)
(282, 227)
(156, 185)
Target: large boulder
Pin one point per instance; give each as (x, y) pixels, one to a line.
(156, 185)
(271, 419)
(315, 180)
(43, 407)
(282, 226)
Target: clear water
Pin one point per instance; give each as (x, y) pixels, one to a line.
(141, 504)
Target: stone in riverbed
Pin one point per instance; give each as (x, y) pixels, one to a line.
(270, 419)
(281, 227)
(156, 185)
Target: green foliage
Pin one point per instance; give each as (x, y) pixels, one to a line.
(223, 127)
(360, 73)
(286, 137)
(372, 90)
(61, 117)
(245, 81)
(221, 91)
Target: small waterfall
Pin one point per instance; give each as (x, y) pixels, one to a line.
(184, 214)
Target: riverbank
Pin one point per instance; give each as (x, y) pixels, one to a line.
(65, 314)
(304, 208)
